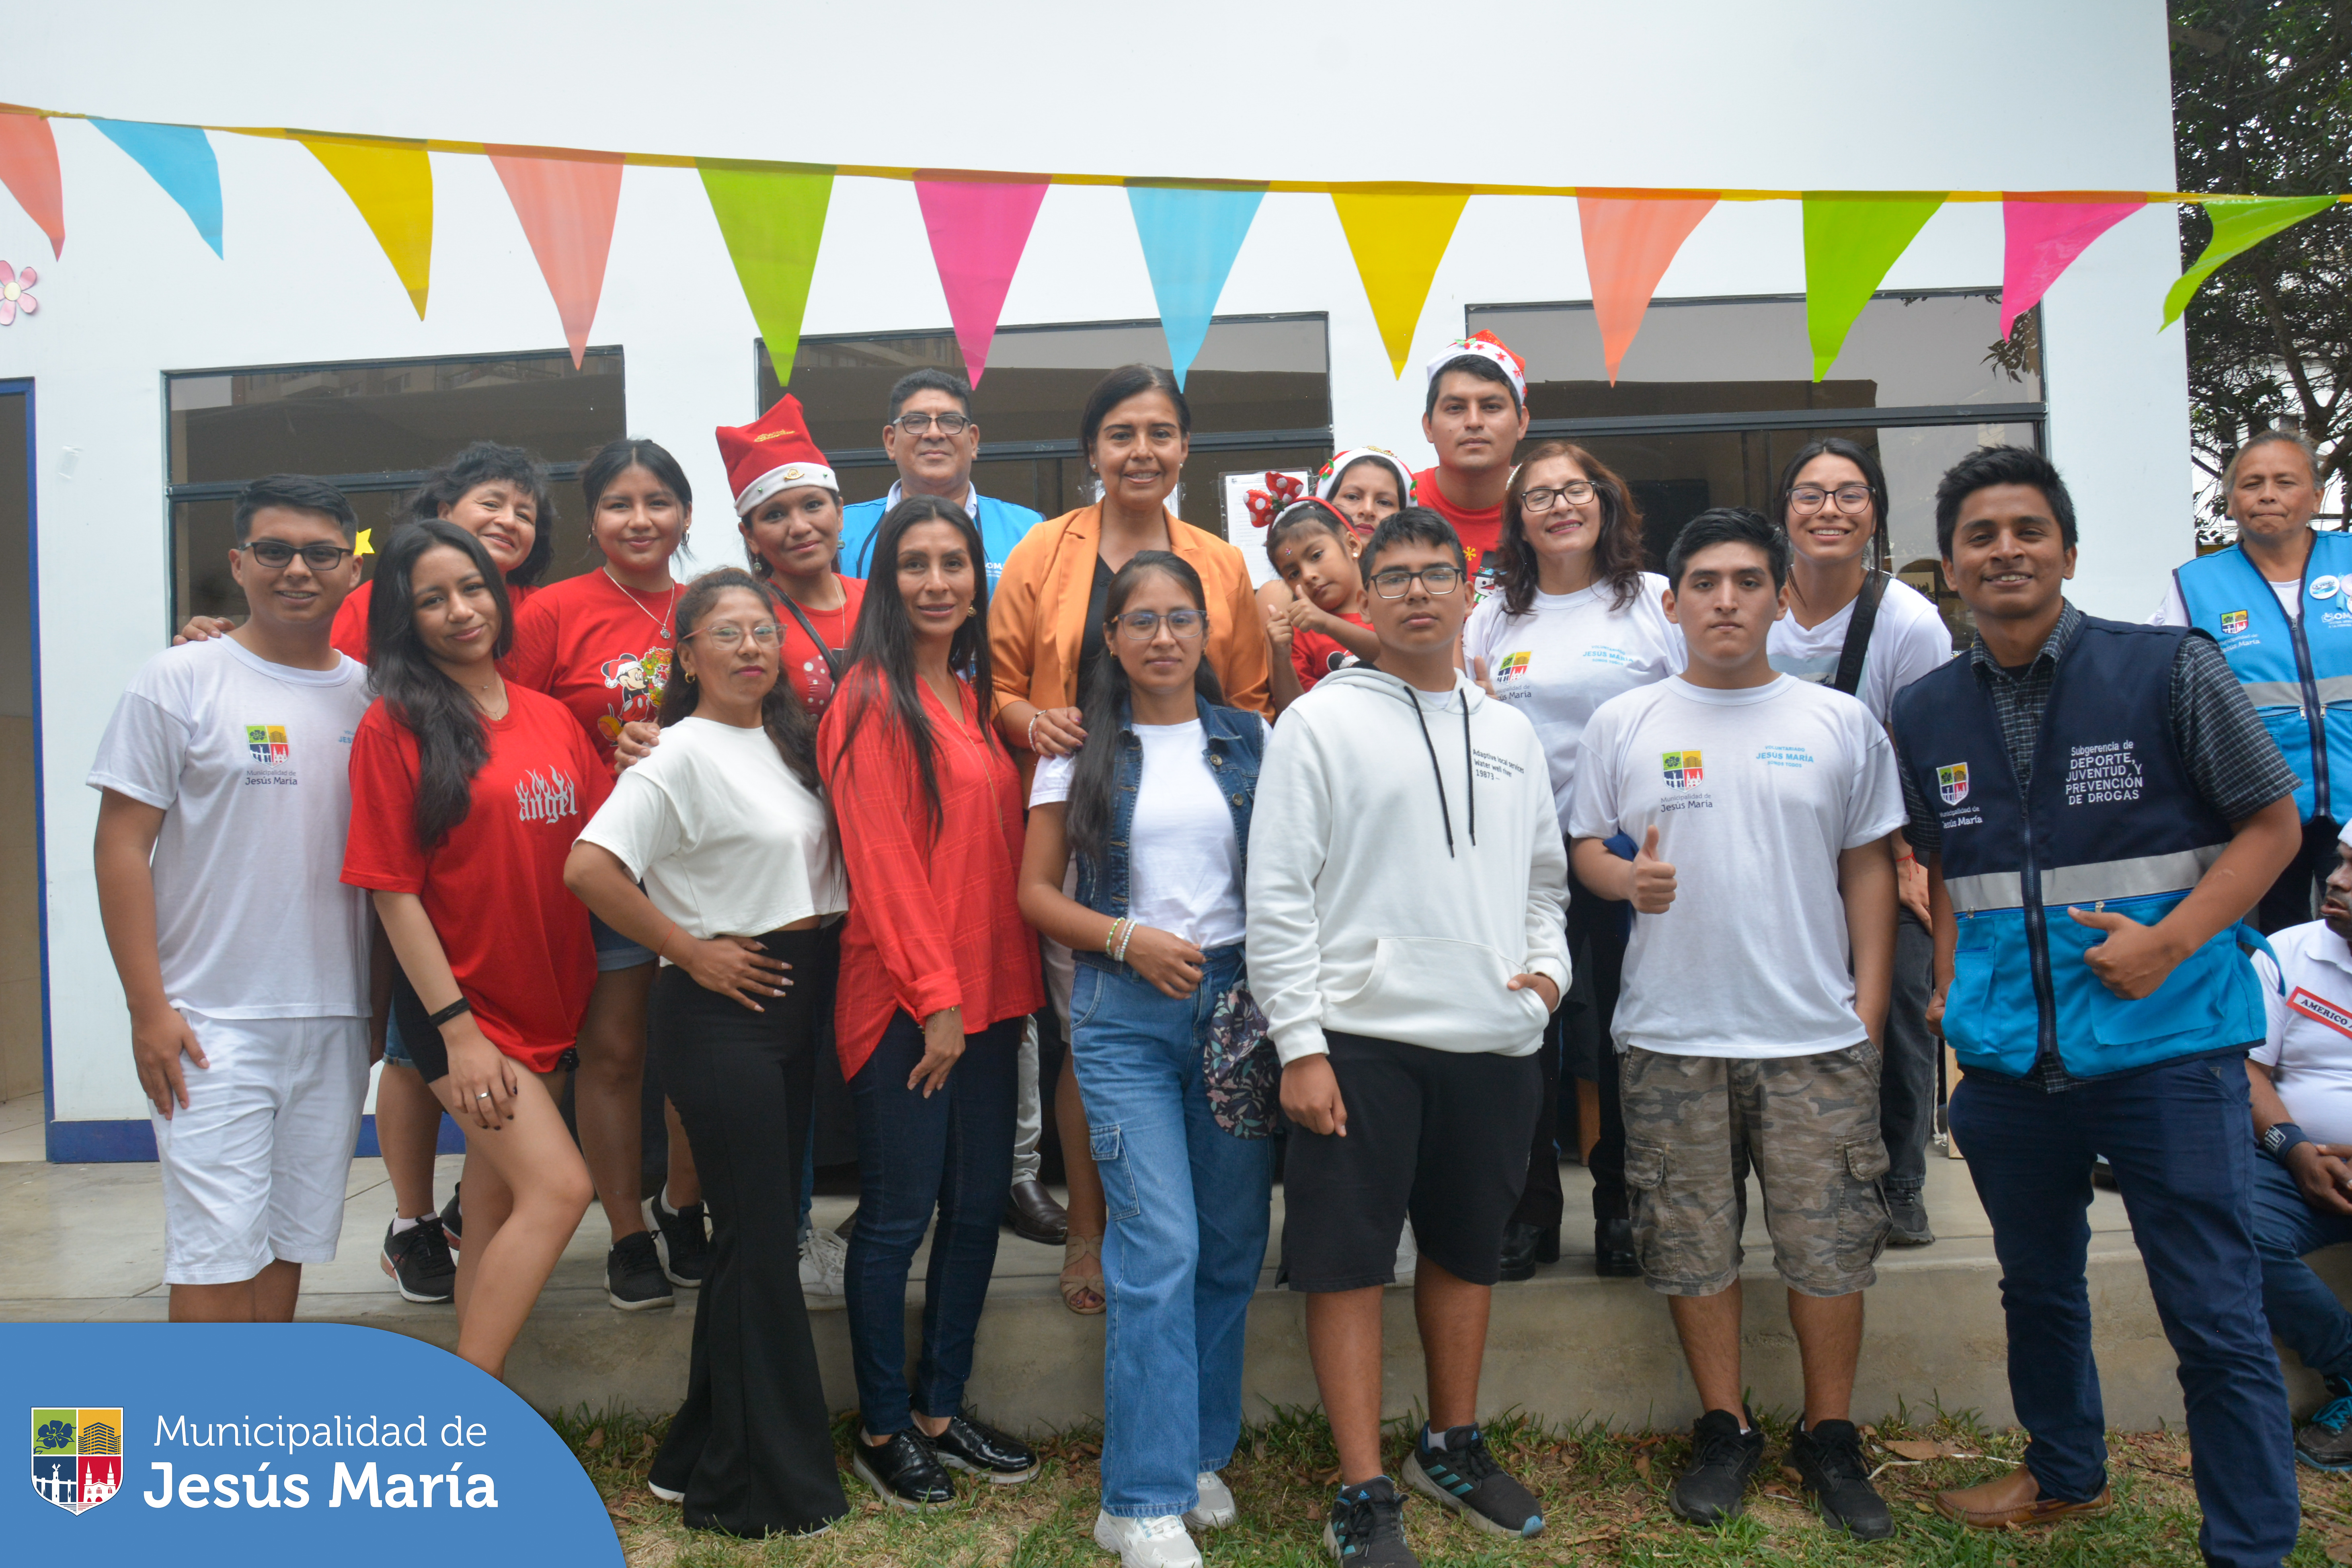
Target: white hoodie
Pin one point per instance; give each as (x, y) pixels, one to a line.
(1362, 916)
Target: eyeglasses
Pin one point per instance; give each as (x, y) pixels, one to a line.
(1849, 498)
(276, 552)
(1543, 497)
(726, 634)
(1439, 581)
(922, 423)
(1184, 626)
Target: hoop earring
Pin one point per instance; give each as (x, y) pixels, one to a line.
(689, 677)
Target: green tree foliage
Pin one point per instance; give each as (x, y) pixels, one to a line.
(2261, 103)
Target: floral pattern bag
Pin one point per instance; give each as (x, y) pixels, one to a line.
(1238, 1065)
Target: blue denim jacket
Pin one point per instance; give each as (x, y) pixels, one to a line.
(1235, 743)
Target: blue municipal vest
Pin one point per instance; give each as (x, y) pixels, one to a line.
(2297, 673)
(1002, 526)
(2111, 821)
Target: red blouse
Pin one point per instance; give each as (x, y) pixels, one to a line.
(934, 920)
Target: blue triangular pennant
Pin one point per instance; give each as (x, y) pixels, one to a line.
(182, 162)
(1190, 239)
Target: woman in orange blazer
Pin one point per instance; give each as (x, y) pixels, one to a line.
(1045, 635)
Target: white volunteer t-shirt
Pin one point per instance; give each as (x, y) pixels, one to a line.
(727, 841)
(249, 762)
(1566, 656)
(1908, 640)
(2172, 612)
(2309, 1046)
(1755, 793)
(1184, 864)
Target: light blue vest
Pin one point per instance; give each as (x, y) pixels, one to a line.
(1002, 526)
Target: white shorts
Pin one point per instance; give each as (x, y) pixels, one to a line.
(256, 1165)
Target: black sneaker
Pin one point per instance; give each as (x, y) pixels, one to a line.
(632, 1275)
(1462, 1474)
(681, 1239)
(968, 1443)
(1827, 1459)
(903, 1472)
(417, 1259)
(1367, 1528)
(1909, 1217)
(1723, 1461)
(2326, 1443)
(450, 1218)
(1613, 1250)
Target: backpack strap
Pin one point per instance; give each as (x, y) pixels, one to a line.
(832, 665)
(1858, 633)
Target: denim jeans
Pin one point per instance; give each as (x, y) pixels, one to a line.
(2180, 1137)
(2303, 1313)
(1906, 1089)
(951, 1153)
(1188, 1205)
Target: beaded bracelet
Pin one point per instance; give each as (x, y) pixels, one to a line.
(1120, 956)
(1110, 937)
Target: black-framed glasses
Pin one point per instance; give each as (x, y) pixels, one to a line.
(727, 634)
(1142, 626)
(1396, 583)
(1851, 498)
(922, 423)
(1543, 497)
(276, 553)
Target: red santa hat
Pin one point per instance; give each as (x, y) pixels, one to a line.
(772, 454)
(1485, 345)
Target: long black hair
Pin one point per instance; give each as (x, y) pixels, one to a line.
(1129, 381)
(1617, 553)
(450, 745)
(881, 673)
(788, 723)
(1093, 773)
(487, 462)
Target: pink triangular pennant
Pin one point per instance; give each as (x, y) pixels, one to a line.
(978, 230)
(567, 202)
(2043, 240)
(29, 167)
(1629, 243)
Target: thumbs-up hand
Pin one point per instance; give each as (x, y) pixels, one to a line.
(1653, 879)
(2134, 960)
(1277, 631)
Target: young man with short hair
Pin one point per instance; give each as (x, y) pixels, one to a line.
(2099, 806)
(1762, 805)
(244, 959)
(1475, 415)
(1406, 943)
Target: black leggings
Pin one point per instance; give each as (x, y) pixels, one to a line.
(1580, 1032)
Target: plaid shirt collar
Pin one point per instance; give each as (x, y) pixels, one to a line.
(2054, 647)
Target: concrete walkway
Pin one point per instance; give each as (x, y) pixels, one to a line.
(83, 1243)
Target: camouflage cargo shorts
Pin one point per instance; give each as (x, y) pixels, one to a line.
(1807, 1125)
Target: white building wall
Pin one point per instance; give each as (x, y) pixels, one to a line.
(2005, 93)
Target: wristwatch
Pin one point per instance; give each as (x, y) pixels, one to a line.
(2280, 1137)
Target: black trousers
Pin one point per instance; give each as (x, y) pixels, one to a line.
(751, 1447)
(1579, 1035)
(2294, 896)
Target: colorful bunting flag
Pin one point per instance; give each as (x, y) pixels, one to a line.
(29, 167)
(2238, 224)
(1398, 238)
(567, 202)
(390, 183)
(1629, 243)
(773, 218)
(2042, 239)
(979, 229)
(1190, 236)
(180, 159)
(1852, 239)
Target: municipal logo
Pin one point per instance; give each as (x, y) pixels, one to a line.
(1952, 782)
(78, 1456)
(269, 746)
(2232, 622)
(1513, 667)
(1683, 770)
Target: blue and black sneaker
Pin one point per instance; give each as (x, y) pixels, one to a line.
(1454, 1467)
(1367, 1528)
(2326, 1443)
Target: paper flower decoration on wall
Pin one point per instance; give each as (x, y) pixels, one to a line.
(13, 295)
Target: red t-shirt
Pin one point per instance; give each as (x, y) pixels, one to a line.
(1315, 655)
(804, 664)
(518, 940)
(597, 648)
(350, 633)
(1481, 532)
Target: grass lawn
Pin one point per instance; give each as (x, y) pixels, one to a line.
(1602, 1491)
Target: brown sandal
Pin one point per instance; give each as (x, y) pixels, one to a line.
(1082, 1276)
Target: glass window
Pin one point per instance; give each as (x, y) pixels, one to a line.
(372, 429)
(1259, 392)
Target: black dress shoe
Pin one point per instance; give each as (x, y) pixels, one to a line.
(1527, 1248)
(968, 1443)
(903, 1471)
(1613, 1250)
(1033, 1215)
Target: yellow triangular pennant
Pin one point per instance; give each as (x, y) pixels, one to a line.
(1398, 238)
(392, 184)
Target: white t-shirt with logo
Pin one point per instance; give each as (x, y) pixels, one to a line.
(1184, 862)
(1907, 640)
(727, 841)
(1755, 794)
(2309, 1045)
(1566, 656)
(249, 762)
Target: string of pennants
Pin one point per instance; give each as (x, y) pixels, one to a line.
(772, 217)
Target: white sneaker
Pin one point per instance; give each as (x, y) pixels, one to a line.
(1216, 1510)
(823, 1256)
(1158, 1542)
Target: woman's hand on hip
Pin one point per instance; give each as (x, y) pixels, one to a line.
(1167, 960)
(736, 967)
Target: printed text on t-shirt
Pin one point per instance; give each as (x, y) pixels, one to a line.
(549, 799)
